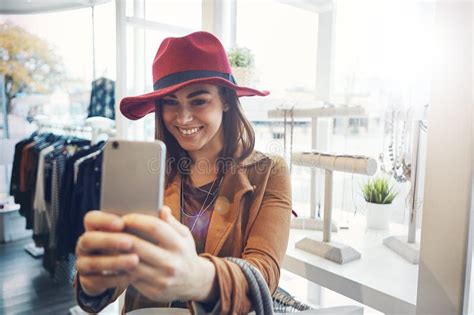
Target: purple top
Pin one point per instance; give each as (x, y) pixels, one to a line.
(194, 199)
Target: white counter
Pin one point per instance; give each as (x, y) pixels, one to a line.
(380, 279)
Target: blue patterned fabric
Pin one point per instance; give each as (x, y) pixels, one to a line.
(102, 99)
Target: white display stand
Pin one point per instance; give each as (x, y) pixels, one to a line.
(313, 222)
(381, 279)
(407, 246)
(12, 224)
(334, 251)
(401, 246)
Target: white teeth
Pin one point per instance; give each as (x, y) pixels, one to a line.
(188, 131)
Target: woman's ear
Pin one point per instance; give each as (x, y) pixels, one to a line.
(226, 107)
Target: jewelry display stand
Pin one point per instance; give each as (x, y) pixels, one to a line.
(407, 246)
(314, 222)
(334, 251)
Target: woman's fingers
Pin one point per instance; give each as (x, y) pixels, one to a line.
(97, 242)
(152, 254)
(103, 221)
(155, 291)
(151, 274)
(151, 229)
(167, 216)
(106, 265)
(100, 243)
(99, 283)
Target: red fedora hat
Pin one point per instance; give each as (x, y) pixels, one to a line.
(180, 61)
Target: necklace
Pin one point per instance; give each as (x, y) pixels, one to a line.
(204, 207)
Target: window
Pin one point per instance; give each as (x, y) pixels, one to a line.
(70, 100)
(283, 39)
(372, 67)
(143, 36)
(182, 13)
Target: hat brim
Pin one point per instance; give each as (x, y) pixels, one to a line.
(136, 107)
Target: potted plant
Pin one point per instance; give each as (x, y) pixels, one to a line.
(242, 62)
(379, 196)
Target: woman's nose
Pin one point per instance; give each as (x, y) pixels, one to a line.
(184, 116)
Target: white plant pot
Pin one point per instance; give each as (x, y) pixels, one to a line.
(245, 76)
(378, 216)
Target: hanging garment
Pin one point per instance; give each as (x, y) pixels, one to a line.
(58, 161)
(18, 195)
(61, 269)
(77, 198)
(64, 237)
(41, 221)
(56, 180)
(28, 172)
(86, 194)
(102, 99)
(15, 176)
(50, 255)
(68, 147)
(39, 175)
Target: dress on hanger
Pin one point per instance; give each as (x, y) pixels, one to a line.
(102, 101)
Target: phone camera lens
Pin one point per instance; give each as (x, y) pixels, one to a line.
(115, 144)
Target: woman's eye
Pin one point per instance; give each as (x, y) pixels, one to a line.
(198, 102)
(169, 102)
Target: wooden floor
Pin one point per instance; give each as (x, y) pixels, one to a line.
(27, 288)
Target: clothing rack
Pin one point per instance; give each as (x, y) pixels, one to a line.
(95, 129)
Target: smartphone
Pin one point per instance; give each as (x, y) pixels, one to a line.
(133, 177)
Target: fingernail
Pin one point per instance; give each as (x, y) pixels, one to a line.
(164, 213)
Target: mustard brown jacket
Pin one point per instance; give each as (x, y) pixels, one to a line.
(251, 220)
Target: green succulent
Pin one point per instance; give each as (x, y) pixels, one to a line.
(378, 191)
(240, 57)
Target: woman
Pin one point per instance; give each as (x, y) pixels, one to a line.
(223, 199)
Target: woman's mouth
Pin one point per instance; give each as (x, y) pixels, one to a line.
(189, 131)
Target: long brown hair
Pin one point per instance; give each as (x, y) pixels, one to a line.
(239, 138)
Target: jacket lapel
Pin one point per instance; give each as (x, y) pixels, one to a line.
(171, 198)
(226, 209)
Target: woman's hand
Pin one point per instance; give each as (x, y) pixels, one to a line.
(104, 253)
(169, 267)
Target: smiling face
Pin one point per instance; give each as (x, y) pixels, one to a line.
(193, 115)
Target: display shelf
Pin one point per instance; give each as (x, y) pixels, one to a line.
(381, 279)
